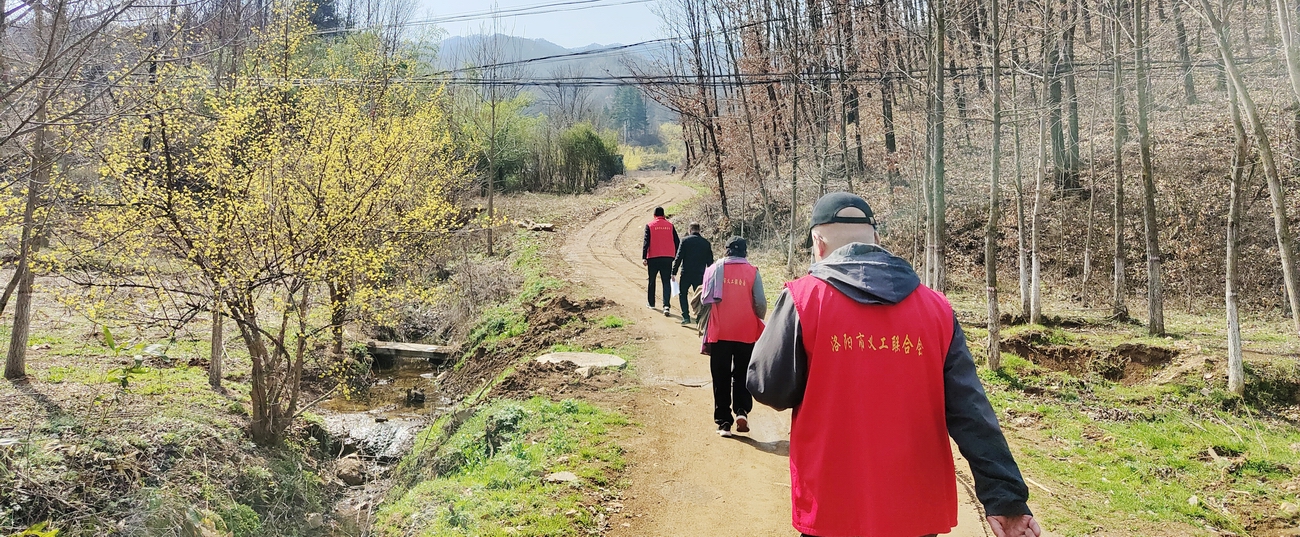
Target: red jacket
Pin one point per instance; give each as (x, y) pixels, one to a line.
(733, 318)
(869, 452)
(661, 239)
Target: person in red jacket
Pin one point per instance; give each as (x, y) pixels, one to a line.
(733, 290)
(877, 371)
(657, 253)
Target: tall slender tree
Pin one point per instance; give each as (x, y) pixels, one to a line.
(938, 241)
(1119, 289)
(1231, 283)
(1276, 194)
(1155, 284)
(991, 231)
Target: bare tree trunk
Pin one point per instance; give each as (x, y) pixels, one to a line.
(492, 165)
(1022, 249)
(1118, 309)
(794, 180)
(4, 23)
(218, 350)
(37, 179)
(749, 124)
(1072, 160)
(887, 116)
(1155, 285)
(1092, 187)
(991, 233)
(939, 227)
(1284, 20)
(1276, 194)
(1184, 55)
(1236, 371)
(1035, 283)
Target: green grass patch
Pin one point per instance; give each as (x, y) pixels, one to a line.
(508, 320)
(612, 321)
(1133, 456)
(490, 474)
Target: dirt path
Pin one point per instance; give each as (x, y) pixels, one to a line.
(686, 480)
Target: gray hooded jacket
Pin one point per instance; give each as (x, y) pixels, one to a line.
(778, 370)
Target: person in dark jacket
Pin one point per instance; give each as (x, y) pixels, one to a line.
(693, 256)
(878, 372)
(657, 253)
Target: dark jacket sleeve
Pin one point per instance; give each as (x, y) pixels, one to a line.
(645, 244)
(677, 261)
(778, 368)
(974, 427)
(677, 241)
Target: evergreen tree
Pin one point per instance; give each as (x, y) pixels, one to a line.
(629, 113)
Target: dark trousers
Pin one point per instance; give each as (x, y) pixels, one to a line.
(728, 360)
(662, 267)
(684, 287)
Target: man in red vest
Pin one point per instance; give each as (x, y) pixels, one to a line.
(734, 292)
(877, 371)
(657, 252)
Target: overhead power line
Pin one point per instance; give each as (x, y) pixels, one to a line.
(728, 79)
(522, 11)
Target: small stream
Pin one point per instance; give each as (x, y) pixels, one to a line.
(370, 433)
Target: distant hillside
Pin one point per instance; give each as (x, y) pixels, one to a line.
(595, 60)
(458, 51)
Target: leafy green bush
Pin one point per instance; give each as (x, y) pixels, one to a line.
(242, 520)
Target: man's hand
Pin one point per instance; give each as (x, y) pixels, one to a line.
(1015, 526)
(645, 262)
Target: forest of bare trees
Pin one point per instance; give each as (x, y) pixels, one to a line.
(948, 112)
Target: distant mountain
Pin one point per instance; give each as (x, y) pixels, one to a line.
(595, 46)
(459, 51)
(591, 61)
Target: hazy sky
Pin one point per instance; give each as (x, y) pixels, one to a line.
(626, 23)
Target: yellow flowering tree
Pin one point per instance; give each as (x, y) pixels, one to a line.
(299, 183)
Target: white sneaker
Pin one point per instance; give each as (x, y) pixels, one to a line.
(725, 433)
(666, 311)
(742, 424)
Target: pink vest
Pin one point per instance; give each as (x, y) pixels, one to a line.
(661, 239)
(869, 452)
(733, 318)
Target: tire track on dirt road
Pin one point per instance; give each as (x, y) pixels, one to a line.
(684, 479)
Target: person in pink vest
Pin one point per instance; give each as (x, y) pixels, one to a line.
(658, 250)
(733, 290)
(877, 371)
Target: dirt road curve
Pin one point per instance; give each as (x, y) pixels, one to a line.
(686, 480)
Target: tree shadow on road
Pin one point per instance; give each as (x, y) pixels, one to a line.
(779, 447)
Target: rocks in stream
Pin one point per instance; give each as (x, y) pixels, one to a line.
(386, 439)
(351, 470)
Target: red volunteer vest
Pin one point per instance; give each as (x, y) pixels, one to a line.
(733, 319)
(661, 238)
(869, 452)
